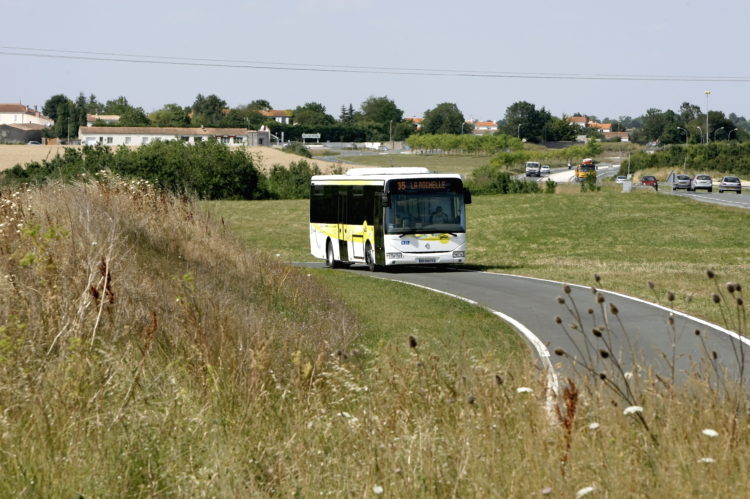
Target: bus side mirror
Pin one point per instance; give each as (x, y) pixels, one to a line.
(467, 196)
(384, 200)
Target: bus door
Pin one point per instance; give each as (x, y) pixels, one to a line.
(341, 220)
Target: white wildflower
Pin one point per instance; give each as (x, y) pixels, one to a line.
(707, 460)
(594, 426)
(377, 489)
(524, 389)
(93, 243)
(628, 375)
(345, 415)
(632, 409)
(584, 491)
(710, 433)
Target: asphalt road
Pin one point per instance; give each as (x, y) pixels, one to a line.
(643, 333)
(724, 199)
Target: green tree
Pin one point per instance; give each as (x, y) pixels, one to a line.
(134, 116)
(208, 111)
(171, 115)
(381, 110)
(117, 106)
(524, 120)
(443, 118)
(52, 106)
(312, 114)
(259, 105)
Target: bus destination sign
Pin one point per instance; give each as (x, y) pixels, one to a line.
(425, 185)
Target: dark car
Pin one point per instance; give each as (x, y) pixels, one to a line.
(730, 184)
(681, 181)
(651, 181)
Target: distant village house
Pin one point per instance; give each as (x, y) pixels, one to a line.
(138, 136)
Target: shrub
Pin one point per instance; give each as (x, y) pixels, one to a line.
(492, 180)
(298, 149)
(292, 182)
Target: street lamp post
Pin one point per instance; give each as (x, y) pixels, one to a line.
(729, 135)
(390, 133)
(518, 132)
(462, 127)
(707, 92)
(720, 128)
(68, 120)
(687, 134)
(701, 133)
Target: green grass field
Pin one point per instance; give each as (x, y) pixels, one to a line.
(627, 239)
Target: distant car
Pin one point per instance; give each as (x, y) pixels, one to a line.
(681, 181)
(533, 169)
(730, 184)
(651, 181)
(621, 179)
(702, 181)
(34, 143)
(544, 170)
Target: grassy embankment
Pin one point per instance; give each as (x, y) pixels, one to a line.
(143, 352)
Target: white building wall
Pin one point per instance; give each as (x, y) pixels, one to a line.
(115, 140)
(21, 118)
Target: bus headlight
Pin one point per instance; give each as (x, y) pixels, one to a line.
(393, 256)
(459, 254)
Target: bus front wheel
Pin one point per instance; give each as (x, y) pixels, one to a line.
(330, 259)
(370, 257)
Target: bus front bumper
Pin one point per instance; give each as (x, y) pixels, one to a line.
(448, 257)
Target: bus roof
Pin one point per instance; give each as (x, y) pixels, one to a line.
(381, 175)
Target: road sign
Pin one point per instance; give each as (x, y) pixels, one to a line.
(311, 136)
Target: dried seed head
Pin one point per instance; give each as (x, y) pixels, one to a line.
(697, 332)
(471, 399)
(499, 379)
(604, 354)
(730, 287)
(597, 277)
(590, 311)
(574, 326)
(737, 287)
(599, 298)
(559, 351)
(670, 296)
(412, 341)
(670, 320)
(710, 274)
(715, 297)
(566, 289)
(650, 284)
(602, 376)
(560, 300)
(558, 319)
(597, 332)
(740, 302)
(715, 355)
(593, 290)
(613, 309)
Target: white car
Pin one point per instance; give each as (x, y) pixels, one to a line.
(544, 170)
(702, 181)
(621, 179)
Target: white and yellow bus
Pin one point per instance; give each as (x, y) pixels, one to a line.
(388, 216)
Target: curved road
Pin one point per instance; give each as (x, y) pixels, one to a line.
(533, 304)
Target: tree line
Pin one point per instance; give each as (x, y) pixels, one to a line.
(380, 119)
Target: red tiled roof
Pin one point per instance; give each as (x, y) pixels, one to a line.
(577, 119)
(27, 126)
(276, 113)
(13, 108)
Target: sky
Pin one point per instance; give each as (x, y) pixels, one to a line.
(600, 58)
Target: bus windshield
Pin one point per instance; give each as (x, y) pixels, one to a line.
(413, 213)
(587, 168)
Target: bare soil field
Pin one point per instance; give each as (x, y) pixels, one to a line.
(266, 157)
